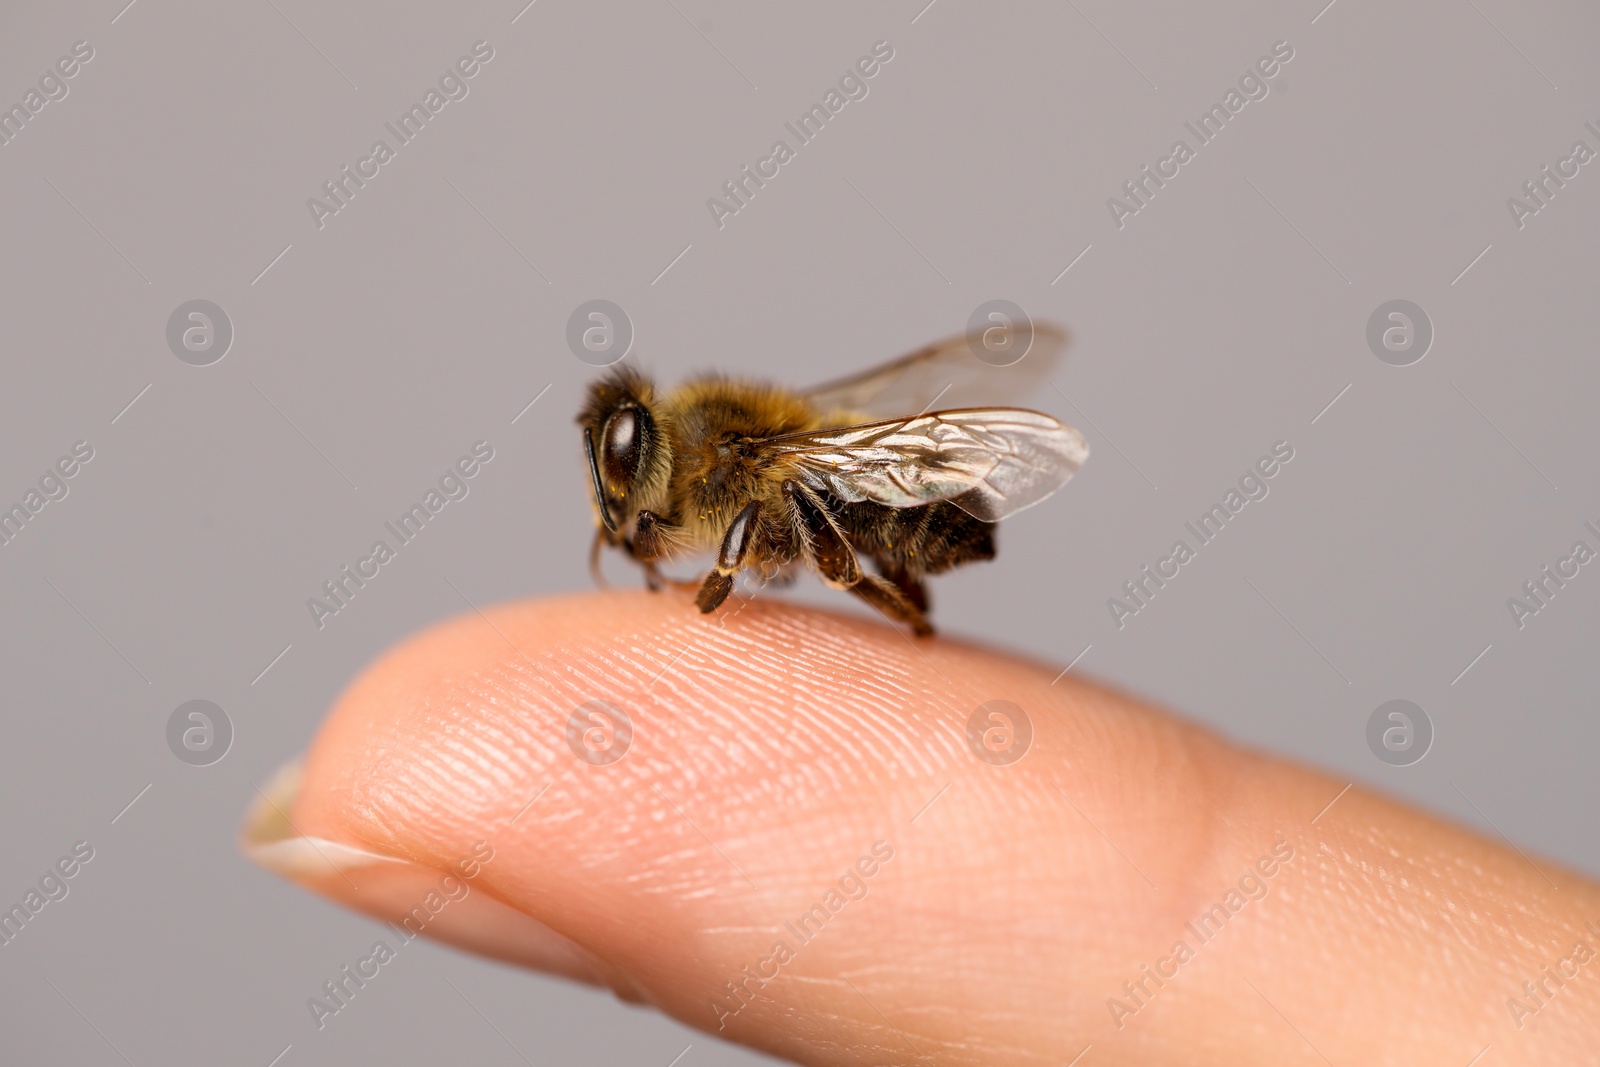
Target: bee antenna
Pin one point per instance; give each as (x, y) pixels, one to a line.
(599, 487)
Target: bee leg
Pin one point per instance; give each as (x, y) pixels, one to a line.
(888, 598)
(655, 581)
(837, 564)
(832, 555)
(646, 544)
(730, 557)
(917, 593)
(913, 588)
(595, 570)
(713, 592)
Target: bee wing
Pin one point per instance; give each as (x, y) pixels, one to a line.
(948, 372)
(990, 462)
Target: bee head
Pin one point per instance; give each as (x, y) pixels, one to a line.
(623, 441)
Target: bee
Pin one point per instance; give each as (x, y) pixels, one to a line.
(769, 479)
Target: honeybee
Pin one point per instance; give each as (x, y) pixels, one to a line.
(770, 479)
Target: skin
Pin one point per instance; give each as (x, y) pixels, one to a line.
(774, 745)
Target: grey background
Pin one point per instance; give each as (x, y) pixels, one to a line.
(1222, 318)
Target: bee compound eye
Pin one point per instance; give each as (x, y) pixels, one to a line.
(623, 444)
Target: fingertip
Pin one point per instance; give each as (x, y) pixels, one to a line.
(413, 899)
(664, 790)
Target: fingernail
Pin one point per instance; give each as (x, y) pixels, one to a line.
(270, 839)
(416, 900)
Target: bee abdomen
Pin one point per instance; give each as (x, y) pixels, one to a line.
(926, 539)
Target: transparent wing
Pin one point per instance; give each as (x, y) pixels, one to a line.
(948, 372)
(990, 462)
